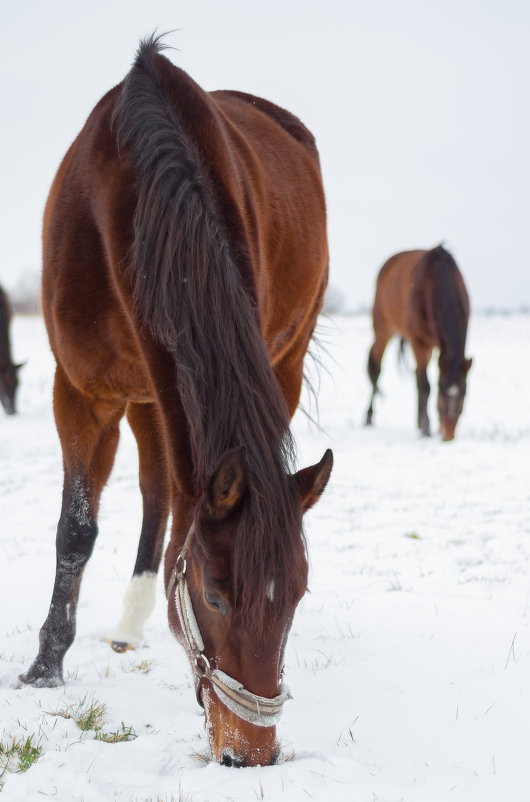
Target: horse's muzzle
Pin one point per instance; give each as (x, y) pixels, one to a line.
(448, 428)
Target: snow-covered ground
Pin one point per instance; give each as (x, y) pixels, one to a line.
(409, 660)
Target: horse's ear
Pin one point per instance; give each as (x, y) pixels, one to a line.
(468, 363)
(313, 480)
(227, 485)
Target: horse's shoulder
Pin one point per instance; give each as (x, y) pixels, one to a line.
(288, 121)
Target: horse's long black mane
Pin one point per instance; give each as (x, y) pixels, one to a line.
(449, 306)
(190, 291)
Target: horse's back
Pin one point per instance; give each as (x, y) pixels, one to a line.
(288, 121)
(284, 208)
(264, 170)
(409, 286)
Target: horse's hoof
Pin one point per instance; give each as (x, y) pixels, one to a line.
(40, 677)
(121, 646)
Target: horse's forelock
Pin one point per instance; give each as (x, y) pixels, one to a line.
(269, 546)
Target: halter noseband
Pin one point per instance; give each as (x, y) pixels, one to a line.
(258, 710)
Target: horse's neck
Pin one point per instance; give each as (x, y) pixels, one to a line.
(5, 350)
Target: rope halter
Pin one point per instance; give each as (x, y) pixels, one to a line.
(250, 707)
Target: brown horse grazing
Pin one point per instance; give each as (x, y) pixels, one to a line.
(421, 296)
(8, 370)
(185, 262)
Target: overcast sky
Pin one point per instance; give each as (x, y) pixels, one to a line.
(420, 110)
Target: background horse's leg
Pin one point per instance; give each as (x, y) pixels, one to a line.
(89, 434)
(382, 336)
(423, 356)
(139, 600)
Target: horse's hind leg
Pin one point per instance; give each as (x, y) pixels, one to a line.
(89, 434)
(382, 336)
(139, 598)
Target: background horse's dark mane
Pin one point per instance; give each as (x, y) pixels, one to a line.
(450, 315)
(190, 292)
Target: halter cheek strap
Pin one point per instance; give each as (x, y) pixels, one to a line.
(258, 710)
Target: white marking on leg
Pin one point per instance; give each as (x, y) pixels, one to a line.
(138, 604)
(270, 591)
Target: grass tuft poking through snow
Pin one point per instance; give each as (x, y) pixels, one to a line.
(122, 734)
(141, 667)
(18, 754)
(91, 717)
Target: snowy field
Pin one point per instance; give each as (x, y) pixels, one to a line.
(409, 660)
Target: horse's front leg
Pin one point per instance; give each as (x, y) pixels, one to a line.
(424, 389)
(89, 437)
(422, 354)
(139, 600)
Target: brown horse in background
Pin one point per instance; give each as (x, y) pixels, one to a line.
(8, 370)
(421, 296)
(185, 262)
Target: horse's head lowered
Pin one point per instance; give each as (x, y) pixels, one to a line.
(236, 652)
(451, 394)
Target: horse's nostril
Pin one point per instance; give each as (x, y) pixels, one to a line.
(228, 758)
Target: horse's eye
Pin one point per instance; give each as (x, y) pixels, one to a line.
(216, 601)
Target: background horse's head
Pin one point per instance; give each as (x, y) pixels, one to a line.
(234, 625)
(451, 394)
